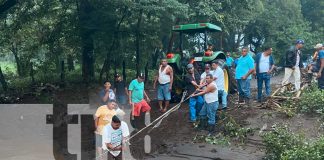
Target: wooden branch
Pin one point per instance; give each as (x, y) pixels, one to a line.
(275, 92)
(300, 91)
(283, 97)
(276, 104)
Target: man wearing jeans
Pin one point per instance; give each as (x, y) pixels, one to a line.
(264, 64)
(320, 74)
(208, 111)
(243, 71)
(218, 75)
(293, 64)
(192, 83)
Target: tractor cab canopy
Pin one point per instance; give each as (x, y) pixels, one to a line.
(196, 28)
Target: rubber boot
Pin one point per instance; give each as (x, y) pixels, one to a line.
(211, 129)
(202, 124)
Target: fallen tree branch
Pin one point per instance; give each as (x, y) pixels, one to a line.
(283, 97)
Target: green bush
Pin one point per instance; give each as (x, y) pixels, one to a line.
(312, 101)
(282, 144)
(309, 151)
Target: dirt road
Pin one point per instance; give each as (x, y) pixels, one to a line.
(25, 135)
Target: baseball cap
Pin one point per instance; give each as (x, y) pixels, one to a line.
(117, 75)
(189, 66)
(300, 41)
(318, 45)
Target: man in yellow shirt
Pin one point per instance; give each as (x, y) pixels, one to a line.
(103, 117)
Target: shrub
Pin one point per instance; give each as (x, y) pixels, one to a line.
(312, 101)
(282, 144)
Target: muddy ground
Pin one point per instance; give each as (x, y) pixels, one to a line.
(25, 135)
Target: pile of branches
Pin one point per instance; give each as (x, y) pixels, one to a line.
(285, 93)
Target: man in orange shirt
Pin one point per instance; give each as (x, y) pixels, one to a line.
(103, 117)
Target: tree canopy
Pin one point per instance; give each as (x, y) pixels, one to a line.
(94, 37)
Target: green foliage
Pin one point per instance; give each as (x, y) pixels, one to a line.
(45, 32)
(231, 131)
(218, 139)
(236, 131)
(282, 144)
(312, 100)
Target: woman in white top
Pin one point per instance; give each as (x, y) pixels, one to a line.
(208, 111)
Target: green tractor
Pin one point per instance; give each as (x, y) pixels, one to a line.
(180, 58)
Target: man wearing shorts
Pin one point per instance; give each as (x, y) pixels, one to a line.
(165, 80)
(136, 98)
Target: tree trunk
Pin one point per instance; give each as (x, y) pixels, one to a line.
(146, 72)
(14, 51)
(137, 42)
(62, 72)
(32, 73)
(155, 57)
(124, 71)
(114, 41)
(173, 35)
(70, 63)
(86, 40)
(108, 70)
(3, 81)
(105, 68)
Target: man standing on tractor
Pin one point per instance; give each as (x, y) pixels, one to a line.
(192, 83)
(136, 98)
(209, 109)
(293, 64)
(165, 80)
(244, 69)
(229, 60)
(219, 79)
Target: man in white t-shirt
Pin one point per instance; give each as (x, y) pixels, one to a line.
(218, 75)
(114, 136)
(264, 65)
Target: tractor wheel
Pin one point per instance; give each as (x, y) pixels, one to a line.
(232, 87)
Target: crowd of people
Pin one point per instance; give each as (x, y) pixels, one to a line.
(207, 92)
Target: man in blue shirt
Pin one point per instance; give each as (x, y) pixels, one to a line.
(320, 64)
(264, 64)
(229, 60)
(107, 93)
(244, 69)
